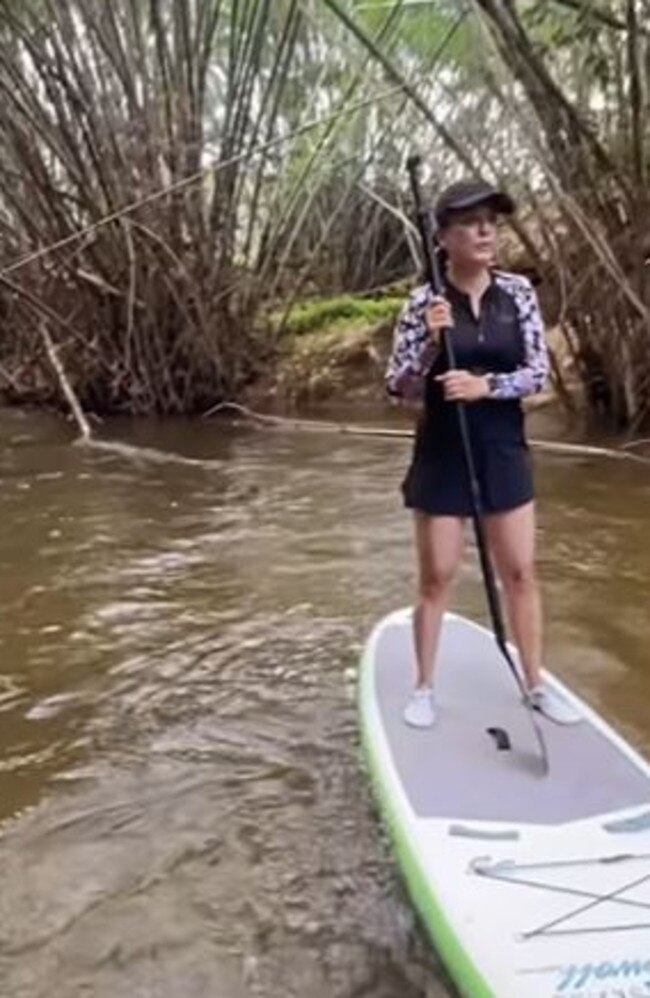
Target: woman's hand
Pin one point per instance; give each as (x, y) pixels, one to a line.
(438, 317)
(461, 386)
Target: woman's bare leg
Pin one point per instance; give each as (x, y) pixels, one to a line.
(439, 545)
(511, 537)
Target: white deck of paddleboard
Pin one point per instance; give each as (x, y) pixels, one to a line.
(455, 770)
(543, 882)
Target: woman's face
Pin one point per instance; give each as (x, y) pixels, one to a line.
(470, 236)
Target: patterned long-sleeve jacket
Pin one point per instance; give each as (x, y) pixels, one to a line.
(414, 352)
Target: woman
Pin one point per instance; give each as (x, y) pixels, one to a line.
(501, 357)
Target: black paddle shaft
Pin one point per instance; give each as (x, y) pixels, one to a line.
(425, 226)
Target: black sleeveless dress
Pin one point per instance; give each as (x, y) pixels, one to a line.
(436, 482)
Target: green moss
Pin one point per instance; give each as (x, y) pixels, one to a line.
(342, 312)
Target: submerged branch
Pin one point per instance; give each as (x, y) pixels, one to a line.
(329, 426)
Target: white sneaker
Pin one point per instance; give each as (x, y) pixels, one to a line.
(420, 711)
(552, 705)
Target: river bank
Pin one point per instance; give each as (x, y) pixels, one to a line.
(331, 359)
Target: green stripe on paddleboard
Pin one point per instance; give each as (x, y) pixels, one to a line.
(465, 974)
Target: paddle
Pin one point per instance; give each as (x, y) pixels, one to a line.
(424, 219)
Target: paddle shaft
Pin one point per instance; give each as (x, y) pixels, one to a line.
(476, 505)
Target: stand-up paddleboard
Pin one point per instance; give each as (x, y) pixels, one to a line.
(529, 886)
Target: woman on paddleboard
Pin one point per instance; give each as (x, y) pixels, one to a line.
(501, 357)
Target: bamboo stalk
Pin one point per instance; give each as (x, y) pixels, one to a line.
(636, 93)
(129, 103)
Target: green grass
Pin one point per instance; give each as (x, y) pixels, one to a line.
(342, 312)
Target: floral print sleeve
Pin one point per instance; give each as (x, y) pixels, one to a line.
(530, 378)
(413, 352)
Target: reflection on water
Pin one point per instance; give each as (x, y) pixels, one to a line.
(183, 812)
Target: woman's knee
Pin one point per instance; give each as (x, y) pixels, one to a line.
(440, 548)
(434, 586)
(519, 577)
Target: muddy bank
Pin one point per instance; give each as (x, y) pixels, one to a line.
(344, 366)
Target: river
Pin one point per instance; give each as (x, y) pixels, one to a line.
(182, 809)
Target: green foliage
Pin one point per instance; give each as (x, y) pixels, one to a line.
(341, 312)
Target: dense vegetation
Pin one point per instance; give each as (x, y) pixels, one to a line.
(172, 173)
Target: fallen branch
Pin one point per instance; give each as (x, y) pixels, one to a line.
(112, 446)
(152, 455)
(66, 387)
(287, 422)
(644, 442)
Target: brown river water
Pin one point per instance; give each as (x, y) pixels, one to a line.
(183, 813)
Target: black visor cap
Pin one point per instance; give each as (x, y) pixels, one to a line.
(470, 194)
